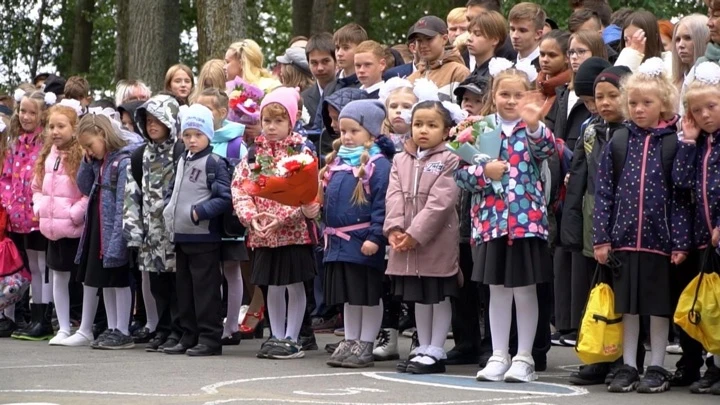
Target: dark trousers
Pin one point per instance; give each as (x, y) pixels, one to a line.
(563, 272)
(198, 283)
(164, 289)
(466, 308)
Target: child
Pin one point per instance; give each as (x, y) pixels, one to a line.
(698, 154)
(179, 81)
(102, 254)
(228, 143)
(639, 216)
(346, 39)
(282, 236)
(510, 234)
(421, 225)
(488, 32)
(471, 94)
(527, 21)
(330, 111)
(21, 149)
(399, 98)
(60, 206)
(193, 219)
(78, 88)
(356, 176)
(7, 316)
(554, 68)
(149, 177)
(369, 67)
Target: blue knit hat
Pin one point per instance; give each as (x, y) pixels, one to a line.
(370, 114)
(199, 117)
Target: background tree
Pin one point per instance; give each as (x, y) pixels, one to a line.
(219, 23)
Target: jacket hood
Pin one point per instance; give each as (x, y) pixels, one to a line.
(666, 127)
(338, 101)
(131, 137)
(229, 131)
(450, 55)
(611, 33)
(386, 145)
(163, 107)
(130, 108)
(411, 148)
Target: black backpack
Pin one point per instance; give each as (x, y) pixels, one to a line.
(136, 160)
(619, 145)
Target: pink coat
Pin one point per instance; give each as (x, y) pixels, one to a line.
(16, 181)
(57, 200)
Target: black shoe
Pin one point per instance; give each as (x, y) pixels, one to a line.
(626, 379)
(308, 342)
(330, 347)
(402, 366)
(41, 327)
(155, 343)
(555, 339)
(116, 341)
(143, 335)
(169, 342)
(98, 329)
(203, 350)
(703, 385)
(136, 326)
(484, 357)
(7, 327)
(457, 356)
(656, 379)
(177, 349)
(419, 368)
(569, 339)
(684, 377)
(592, 374)
(232, 340)
(95, 343)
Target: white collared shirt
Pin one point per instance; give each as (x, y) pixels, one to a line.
(473, 64)
(374, 87)
(322, 91)
(533, 55)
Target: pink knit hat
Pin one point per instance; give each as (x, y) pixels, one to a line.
(285, 96)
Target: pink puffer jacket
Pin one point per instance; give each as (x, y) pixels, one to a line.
(57, 200)
(16, 181)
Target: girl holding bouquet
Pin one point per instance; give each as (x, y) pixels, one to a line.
(281, 235)
(355, 182)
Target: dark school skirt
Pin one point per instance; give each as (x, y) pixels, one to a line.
(425, 290)
(526, 262)
(61, 254)
(354, 284)
(642, 284)
(91, 271)
(29, 241)
(283, 265)
(233, 251)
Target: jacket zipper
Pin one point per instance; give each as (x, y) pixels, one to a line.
(642, 191)
(704, 182)
(414, 212)
(99, 199)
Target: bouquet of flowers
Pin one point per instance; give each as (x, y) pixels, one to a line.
(244, 105)
(477, 140)
(291, 180)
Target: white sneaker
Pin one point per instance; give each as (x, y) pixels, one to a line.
(76, 340)
(61, 335)
(386, 346)
(522, 370)
(495, 368)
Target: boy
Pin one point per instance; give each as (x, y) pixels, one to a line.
(369, 67)
(78, 88)
(526, 28)
(488, 32)
(471, 94)
(457, 23)
(474, 9)
(193, 216)
(346, 39)
(320, 51)
(587, 19)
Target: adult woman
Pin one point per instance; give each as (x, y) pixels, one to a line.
(245, 60)
(212, 76)
(690, 39)
(179, 81)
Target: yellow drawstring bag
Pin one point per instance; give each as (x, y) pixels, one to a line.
(600, 336)
(698, 310)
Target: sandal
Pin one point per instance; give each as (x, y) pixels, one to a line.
(252, 324)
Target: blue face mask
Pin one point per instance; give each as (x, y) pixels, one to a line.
(351, 155)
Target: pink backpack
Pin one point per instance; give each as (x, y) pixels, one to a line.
(14, 276)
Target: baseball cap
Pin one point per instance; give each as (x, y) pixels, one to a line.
(430, 26)
(295, 56)
(474, 84)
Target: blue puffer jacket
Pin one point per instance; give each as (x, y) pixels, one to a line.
(114, 246)
(642, 213)
(695, 169)
(339, 212)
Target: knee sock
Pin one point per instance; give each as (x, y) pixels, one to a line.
(441, 318)
(233, 275)
(9, 313)
(659, 328)
(500, 312)
(151, 310)
(631, 335)
(110, 307)
(352, 320)
(276, 307)
(123, 307)
(38, 276)
(526, 307)
(61, 298)
(90, 303)
(371, 321)
(297, 301)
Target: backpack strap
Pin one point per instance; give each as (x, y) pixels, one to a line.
(619, 145)
(136, 159)
(667, 154)
(114, 166)
(211, 168)
(178, 149)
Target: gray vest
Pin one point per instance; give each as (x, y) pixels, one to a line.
(191, 188)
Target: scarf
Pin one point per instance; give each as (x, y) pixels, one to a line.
(547, 86)
(712, 54)
(351, 156)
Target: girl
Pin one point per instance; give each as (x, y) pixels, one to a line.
(281, 235)
(7, 316)
(21, 149)
(421, 225)
(641, 41)
(398, 96)
(690, 41)
(212, 76)
(295, 73)
(510, 233)
(355, 182)
(698, 154)
(179, 82)
(584, 45)
(245, 60)
(60, 206)
(103, 254)
(638, 215)
(228, 143)
(554, 68)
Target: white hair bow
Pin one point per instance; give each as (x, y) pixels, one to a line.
(2, 126)
(50, 98)
(498, 65)
(391, 85)
(652, 67)
(708, 73)
(457, 114)
(426, 90)
(72, 103)
(18, 95)
(108, 112)
(527, 68)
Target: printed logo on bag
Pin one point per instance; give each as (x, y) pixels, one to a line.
(434, 167)
(194, 174)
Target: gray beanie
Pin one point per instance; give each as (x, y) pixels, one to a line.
(370, 114)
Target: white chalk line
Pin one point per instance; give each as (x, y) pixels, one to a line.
(91, 392)
(309, 401)
(41, 366)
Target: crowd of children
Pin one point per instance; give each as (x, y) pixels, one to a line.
(606, 159)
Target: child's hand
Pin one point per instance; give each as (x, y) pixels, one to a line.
(369, 248)
(715, 237)
(394, 239)
(531, 110)
(195, 216)
(494, 170)
(601, 254)
(310, 210)
(678, 258)
(637, 41)
(407, 243)
(690, 129)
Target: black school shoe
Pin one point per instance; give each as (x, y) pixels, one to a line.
(308, 342)
(154, 344)
(655, 380)
(101, 337)
(684, 377)
(626, 379)
(143, 335)
(705, 384)
(591, 374)
(232, 340)
(419, 368)
(7, 327)
(204, 350)
(117, 341)
(462, 355)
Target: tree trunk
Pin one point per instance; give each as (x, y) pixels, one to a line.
(171, 41)
(361, 13)
(38, 42)
(301, 17)
(82, 37)
(121, 44)
(219, 24)
(323, 16)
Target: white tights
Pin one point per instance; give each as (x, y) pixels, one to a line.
(500, 310)
(293, 310)
(433, 324)
(362, 322)
(233, 275)
(151, 310)
(41, 291)
(659, 328)
(118, 303)
(61, 298)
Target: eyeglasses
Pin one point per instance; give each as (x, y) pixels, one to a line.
(578, 52)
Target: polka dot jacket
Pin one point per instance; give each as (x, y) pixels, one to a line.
(644, 212)
(521, 212)
(695, 169)
(16, 181)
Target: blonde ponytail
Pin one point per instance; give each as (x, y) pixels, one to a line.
(329, 159)
(358, 197)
